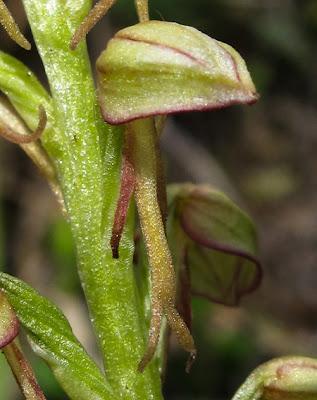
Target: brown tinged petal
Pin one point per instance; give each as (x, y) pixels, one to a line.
(7, 21)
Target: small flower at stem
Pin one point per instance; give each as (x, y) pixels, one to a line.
(7, 21)
(149, 70)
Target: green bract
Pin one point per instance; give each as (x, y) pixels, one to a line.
(160, 67)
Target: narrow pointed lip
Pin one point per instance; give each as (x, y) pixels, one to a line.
(108, 117)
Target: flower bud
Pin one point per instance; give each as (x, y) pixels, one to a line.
(160, 67)
(9, 324)
(219, 243)
(287, 378)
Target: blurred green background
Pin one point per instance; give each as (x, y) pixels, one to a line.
(263, 156)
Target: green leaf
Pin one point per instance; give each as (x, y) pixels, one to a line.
(51, 338)
(286, 378)
(178, 66)
(220, 246)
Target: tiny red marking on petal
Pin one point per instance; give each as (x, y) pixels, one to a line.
(121, 36)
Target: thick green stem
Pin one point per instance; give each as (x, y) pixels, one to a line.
(88, 159)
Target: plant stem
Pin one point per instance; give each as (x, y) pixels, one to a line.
(88, 159)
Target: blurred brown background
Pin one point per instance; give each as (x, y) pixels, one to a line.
(263, 156)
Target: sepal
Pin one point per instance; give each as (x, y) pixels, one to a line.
(160, 67)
